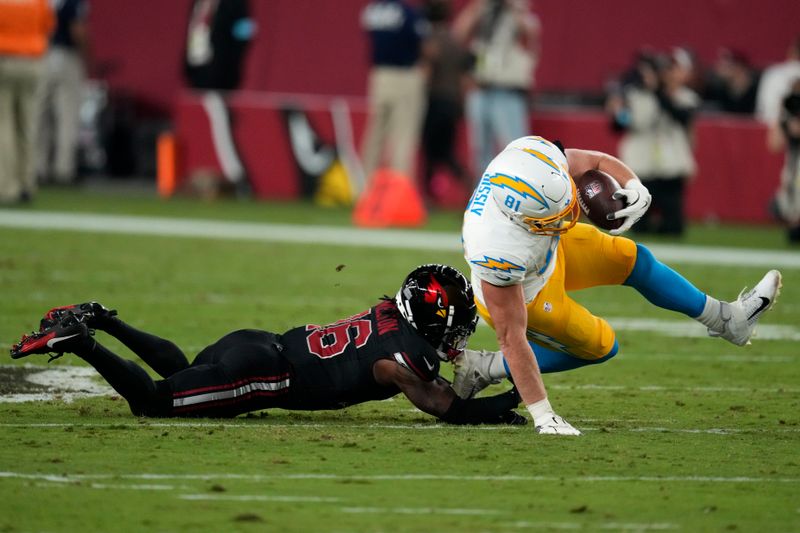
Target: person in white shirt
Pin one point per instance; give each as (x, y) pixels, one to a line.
(775, 83)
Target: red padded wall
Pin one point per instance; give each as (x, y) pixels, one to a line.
(736, 178)
(316, 46)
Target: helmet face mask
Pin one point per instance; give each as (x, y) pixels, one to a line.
(532, 188)
(558, 224)
(437, 300)
(454, 341)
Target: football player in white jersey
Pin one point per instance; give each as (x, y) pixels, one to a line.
(526, 249)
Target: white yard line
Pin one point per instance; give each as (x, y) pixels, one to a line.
(419, 511)
(685, 328)
(346, 236)
(257, 478)
(614, 526)
(690, 328)
(257, 498)
(569, 526)
(118, 486)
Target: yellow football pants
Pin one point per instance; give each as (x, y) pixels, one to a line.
(586, 257)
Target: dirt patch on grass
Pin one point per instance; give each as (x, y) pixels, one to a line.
(42, 383)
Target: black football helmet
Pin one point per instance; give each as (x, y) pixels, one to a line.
(437, 300)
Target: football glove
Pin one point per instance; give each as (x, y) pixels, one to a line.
(637, 200)
(547, 422)
(555, 425)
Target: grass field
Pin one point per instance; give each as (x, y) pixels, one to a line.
(681, 432)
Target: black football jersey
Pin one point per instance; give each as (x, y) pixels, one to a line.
(332, 365)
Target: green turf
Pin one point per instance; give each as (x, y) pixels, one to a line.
(688, 434)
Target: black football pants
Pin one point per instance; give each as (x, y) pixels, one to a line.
(243, 371)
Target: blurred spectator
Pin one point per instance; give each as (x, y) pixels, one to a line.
(396, 86)
(775, 83)
(733, 83)
(656, 111)
(449, 65)
(25, 27)
(217, 37)
(505, 39)
(61, 92)
(785, 134)
(641, 75)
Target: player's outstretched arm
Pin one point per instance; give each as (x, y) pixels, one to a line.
(437, 398)
(506, 306)
(637, 197)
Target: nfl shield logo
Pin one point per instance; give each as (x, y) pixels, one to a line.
(593, 189)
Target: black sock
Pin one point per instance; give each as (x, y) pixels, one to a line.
(161, 355)
(126, 377)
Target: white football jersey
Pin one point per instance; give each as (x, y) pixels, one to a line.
(499, 250)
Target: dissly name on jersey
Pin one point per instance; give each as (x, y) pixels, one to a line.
(480, 197)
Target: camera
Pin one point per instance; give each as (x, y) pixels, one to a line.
(792, 104)
(790, 119)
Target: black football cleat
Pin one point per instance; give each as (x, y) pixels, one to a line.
(88, 313)
(61, 337)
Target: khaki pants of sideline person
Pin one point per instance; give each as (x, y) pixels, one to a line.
(396, 109)
(59, 104)
(19, 79)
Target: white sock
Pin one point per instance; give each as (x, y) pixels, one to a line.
(714, 314)
(497, 369)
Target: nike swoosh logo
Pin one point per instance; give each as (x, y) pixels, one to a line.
(764, 304)
(503, 278)
(54, 340)
(427, 363)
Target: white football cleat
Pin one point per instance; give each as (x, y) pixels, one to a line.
(741, 316)
(471, 373)
(555, 425)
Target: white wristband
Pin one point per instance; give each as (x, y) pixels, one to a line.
(540, 410)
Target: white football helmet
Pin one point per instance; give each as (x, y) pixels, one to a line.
(532, 187)
(534, 142)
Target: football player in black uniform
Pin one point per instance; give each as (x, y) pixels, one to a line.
(393, 347)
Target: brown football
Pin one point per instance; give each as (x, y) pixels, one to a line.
(595, 190)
